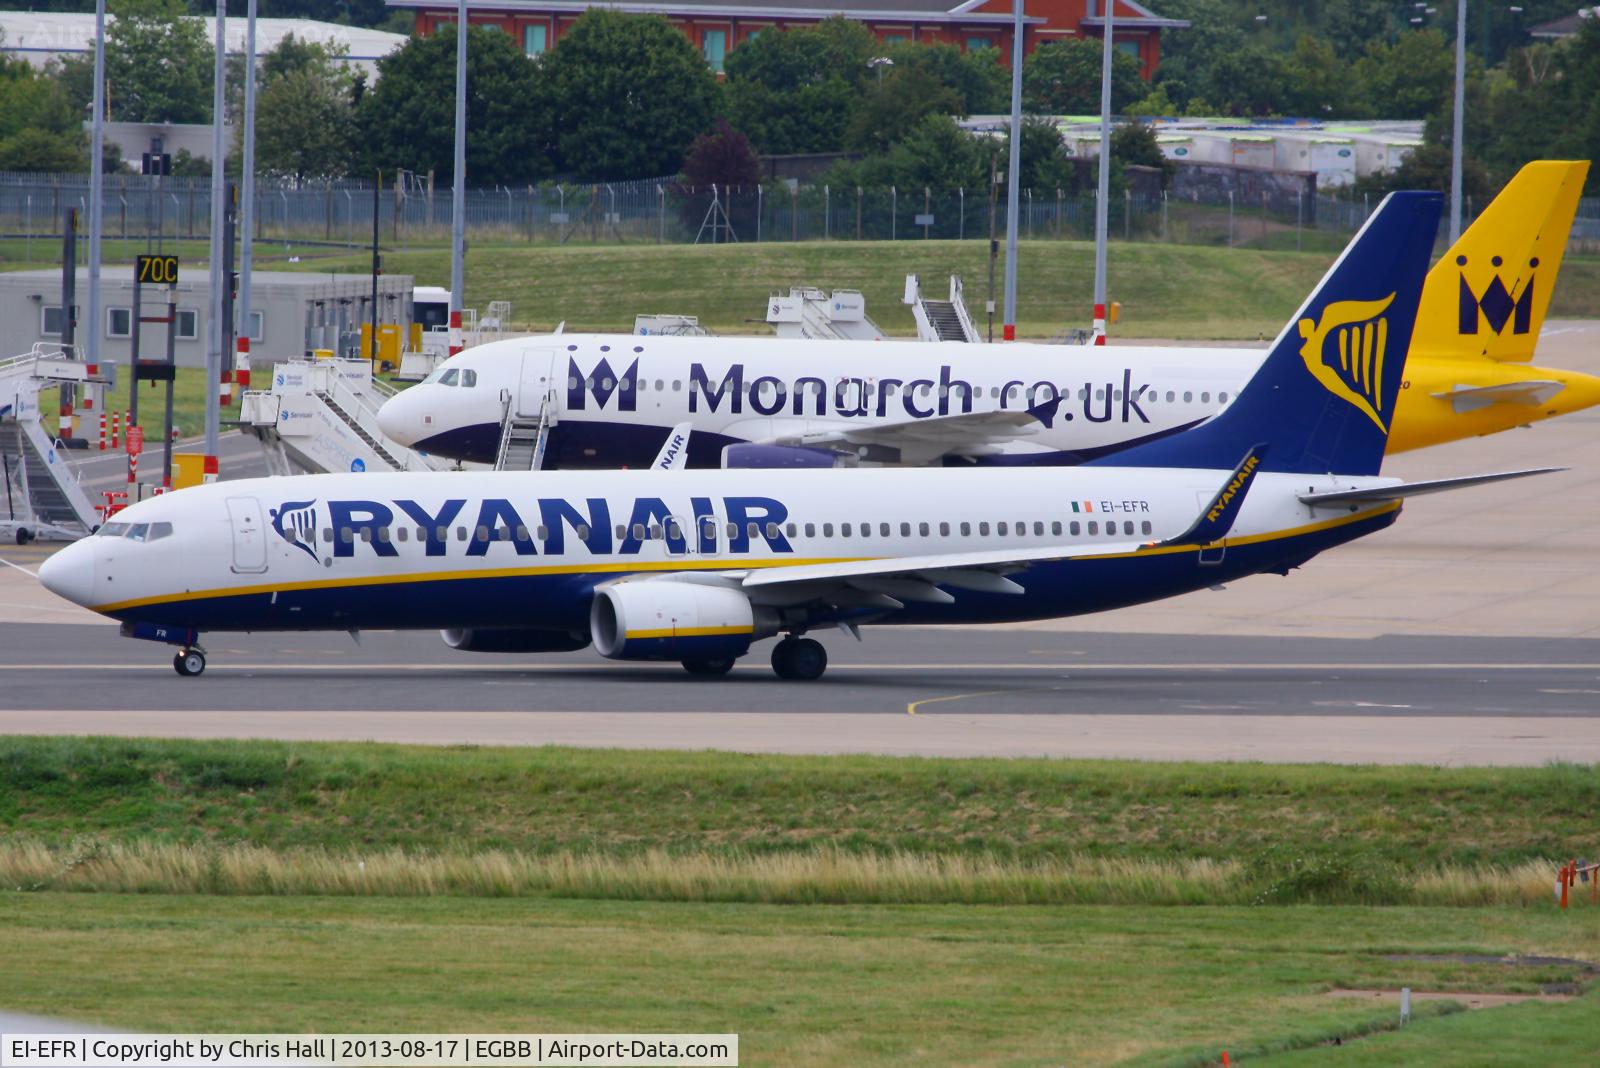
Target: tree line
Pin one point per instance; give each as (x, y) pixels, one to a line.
(624, 96)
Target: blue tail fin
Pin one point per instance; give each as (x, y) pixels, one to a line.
(1324, 397)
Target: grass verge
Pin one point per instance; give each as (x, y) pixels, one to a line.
(846, 985)
(723, 826)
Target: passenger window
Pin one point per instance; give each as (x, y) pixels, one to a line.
(327, 534)
(674, 531)
(754, 529)
(966, 530)
(922, 528)
(1222, 398)
(1038, 527)
(366, 535)
(622, 531)
(461, 533)
(1083, 391)
(1074, 529)
(677, 384)
(1116, 394)
(1205, 398)
(844, 528)
(522, 528)
(572, 380)
(588, 383)
(638, 528)
(944, 530)
(483, 532)
(1055, 527)
(983, 529)
(660, 385)
(827, 530)
(792, 530)
(401, 533)
(1094, 528)
(1099, 394)
(708, 530)
(811, 530)
(772, 528)
(1188, 397)
(905, 530)
(582, 530)
(442, 532)
(655, 528)
(999, 528)
(1111, 529)
(1171, 396)
(1144, 528)
(733, 531)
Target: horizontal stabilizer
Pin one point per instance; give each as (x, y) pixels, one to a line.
(1400, 490)
(1532, 393)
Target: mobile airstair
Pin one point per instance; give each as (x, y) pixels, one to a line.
(940, 320)
(817, 315)
(39, 492)
(523, 439)
(322, 415)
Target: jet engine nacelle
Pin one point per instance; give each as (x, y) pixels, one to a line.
(754, 455)
(671, 620)
(513, 640)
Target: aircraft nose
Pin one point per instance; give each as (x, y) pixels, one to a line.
(398, 418)
(70, 572)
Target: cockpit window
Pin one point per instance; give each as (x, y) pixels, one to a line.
(469, 378)
(448, 378)
(159, 531)
(138, 531)
(112, 530)
(135, 531)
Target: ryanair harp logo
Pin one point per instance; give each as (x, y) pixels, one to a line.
(296, 523)
(1345, 352)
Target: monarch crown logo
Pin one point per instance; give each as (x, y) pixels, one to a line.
(1497, 303)
(1345, 351)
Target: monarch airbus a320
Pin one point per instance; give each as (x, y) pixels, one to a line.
(603, 400)
(696, 566)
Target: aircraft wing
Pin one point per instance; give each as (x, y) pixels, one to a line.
(921, 441)
(1401, 490)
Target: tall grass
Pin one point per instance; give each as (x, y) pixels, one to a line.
(811, 876)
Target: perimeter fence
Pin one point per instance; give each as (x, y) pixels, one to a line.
(140, 210)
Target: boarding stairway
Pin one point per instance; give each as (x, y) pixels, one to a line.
(814, 315)
(322, 415)
(523, 440)
(39, 492)
(940, 320)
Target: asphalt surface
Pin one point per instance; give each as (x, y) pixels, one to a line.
(936, 691)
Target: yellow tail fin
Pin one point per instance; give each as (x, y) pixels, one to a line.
(1488, 294)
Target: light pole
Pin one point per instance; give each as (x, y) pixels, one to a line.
(458, 194)
(1103, 189)
(1008, 330)
(1455, 128)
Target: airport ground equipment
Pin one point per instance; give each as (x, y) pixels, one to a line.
(322, 415)
(811, 313)
(940, 320)
(41, 496)
(428, 344)
(668, 325)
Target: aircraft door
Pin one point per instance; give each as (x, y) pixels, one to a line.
(539, 378)
(249, 535)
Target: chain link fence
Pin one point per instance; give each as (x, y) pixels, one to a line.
(142, 211)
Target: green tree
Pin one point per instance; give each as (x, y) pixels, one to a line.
(892, 106)
(1318, 81)
(978, 77)
(158, 65)
(794, 90)
(305, 112)
(1044, 160)
(1408, 78)
(39, 130)
(1063, 78)
(407, 120)
(1249, 81)
(939, 154)
(1134, 144)
(626, 95)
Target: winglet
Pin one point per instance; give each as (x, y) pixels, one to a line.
(675, 450)
(1216, 519)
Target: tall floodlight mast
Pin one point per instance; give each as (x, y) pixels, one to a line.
(1103, 189)
(1455, 130)
(1013, 178)
(219, 269)
(247, 201)
(97, 193)
(458, 195)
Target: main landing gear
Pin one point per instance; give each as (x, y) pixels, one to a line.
(189, 662)
(713, 665)
(799, 658)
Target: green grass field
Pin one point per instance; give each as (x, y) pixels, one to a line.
(831, 910)
(836, 985)
(1167, 291)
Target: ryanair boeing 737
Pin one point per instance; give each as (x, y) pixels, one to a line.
(695, 566)
(605, 400)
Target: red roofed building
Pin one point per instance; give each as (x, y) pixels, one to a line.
(718, 26)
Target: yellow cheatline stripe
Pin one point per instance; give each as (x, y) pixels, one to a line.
(721, 564)
(686, 632)
(683, 565)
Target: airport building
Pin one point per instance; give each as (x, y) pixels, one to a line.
(716, 27)
(294, 313)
